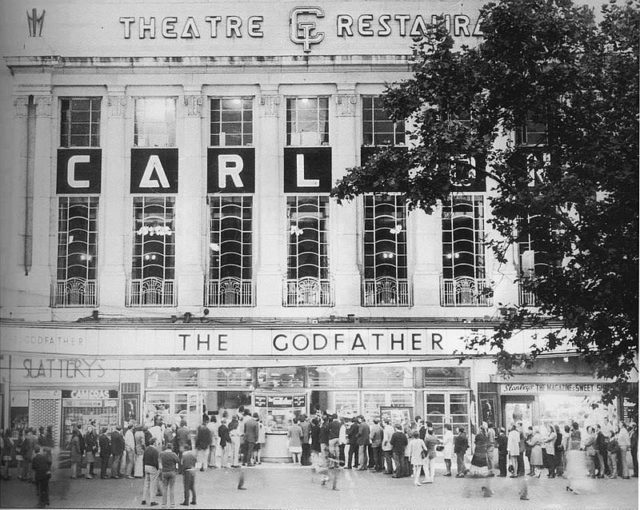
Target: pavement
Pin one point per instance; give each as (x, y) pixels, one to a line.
(277, 486)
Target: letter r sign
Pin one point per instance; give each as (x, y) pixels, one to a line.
(231, 170)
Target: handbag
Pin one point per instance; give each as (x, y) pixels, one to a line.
(424, 454)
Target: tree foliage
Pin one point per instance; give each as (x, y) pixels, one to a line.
(575, 196)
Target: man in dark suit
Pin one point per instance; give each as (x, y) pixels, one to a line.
(250, 434)
(460, 446)
(363, 443)
(352, 437)
(104, 444)
(117, 450)
(41, 466)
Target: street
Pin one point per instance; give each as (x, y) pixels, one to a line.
(287, 486)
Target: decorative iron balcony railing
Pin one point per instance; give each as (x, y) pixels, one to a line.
(465, 291)
(229, 292)
(386, 291)
(307, 291)
(74, 292)
(151, 291)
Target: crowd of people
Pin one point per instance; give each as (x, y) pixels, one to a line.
(328, 443)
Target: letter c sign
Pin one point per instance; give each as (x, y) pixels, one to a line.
(79, 171)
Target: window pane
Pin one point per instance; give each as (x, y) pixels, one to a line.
(80, 116)
(155, 122)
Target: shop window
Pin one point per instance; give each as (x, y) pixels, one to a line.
(230, 251)
(307, 121)
(464, 280)
(346, 404)
(377, 127)
(231, 121)
(153, 268)
(333, 377)
(372, 401)
(77, 261)
(387, 377)
(172, 408)
(307, 282)
(281, 377)
(155, 122)
(385, 252)
(228, 377)
(172, 378)
(80, 122)
(446, 376)
(447, 407)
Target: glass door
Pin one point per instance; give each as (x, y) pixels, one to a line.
(447, 407)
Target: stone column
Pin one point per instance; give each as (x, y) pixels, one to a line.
(425, 250)
(345, 219)
(190, 225)
(115, 204)
(268, 228)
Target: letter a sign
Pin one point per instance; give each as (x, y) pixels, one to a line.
(154, 170)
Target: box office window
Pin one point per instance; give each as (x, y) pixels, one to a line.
(155, 122)
(377, 127)
(77, 259)
(231, 121)
(230, 250)
(80, 122)
(372, 401)
(307, 121)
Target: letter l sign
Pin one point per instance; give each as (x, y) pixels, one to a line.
(302, 181)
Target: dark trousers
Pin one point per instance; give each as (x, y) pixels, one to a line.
(189, 481)
(104, 465)
(42, 490)
(376, 453)
(340, 454)
(401, 467)
(388, 456)
(249, 453)
(634, 459)
(550, 462)
(306, 454)
(353, 454)
(372, 460)
(115, 464)
(520, 465)
(461, 468)
(502, 464)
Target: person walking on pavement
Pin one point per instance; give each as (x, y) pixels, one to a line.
(295, 441)
(28, 446)
(203, 444)
(189, 463)
(150, 461)
(417, 449)
(513, 449)
(306, 447)
(624, 443)
(183, 439)
(334, 435)
(213, 427)
(168, 462)
(104, 447)
(363, 439)
(225, 442)
(41, 465)
(460, 447)
(141, 443)
(387, 449)
(502, 442)
(430, 441)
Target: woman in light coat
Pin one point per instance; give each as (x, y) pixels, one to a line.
(536, 442)
(447, 451)
(415, 448)
(140, 445)
(549, 448)
(513, 449)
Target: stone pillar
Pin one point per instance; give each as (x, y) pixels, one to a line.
(268, 225)
(44, 214)
(425, 250)
(115, 204)
(190, 225)
(345, 219)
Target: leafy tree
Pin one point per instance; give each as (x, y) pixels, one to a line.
(574, 194)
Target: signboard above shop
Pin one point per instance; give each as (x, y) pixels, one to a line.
(94, 28)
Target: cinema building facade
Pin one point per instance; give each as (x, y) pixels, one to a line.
(170, 246)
